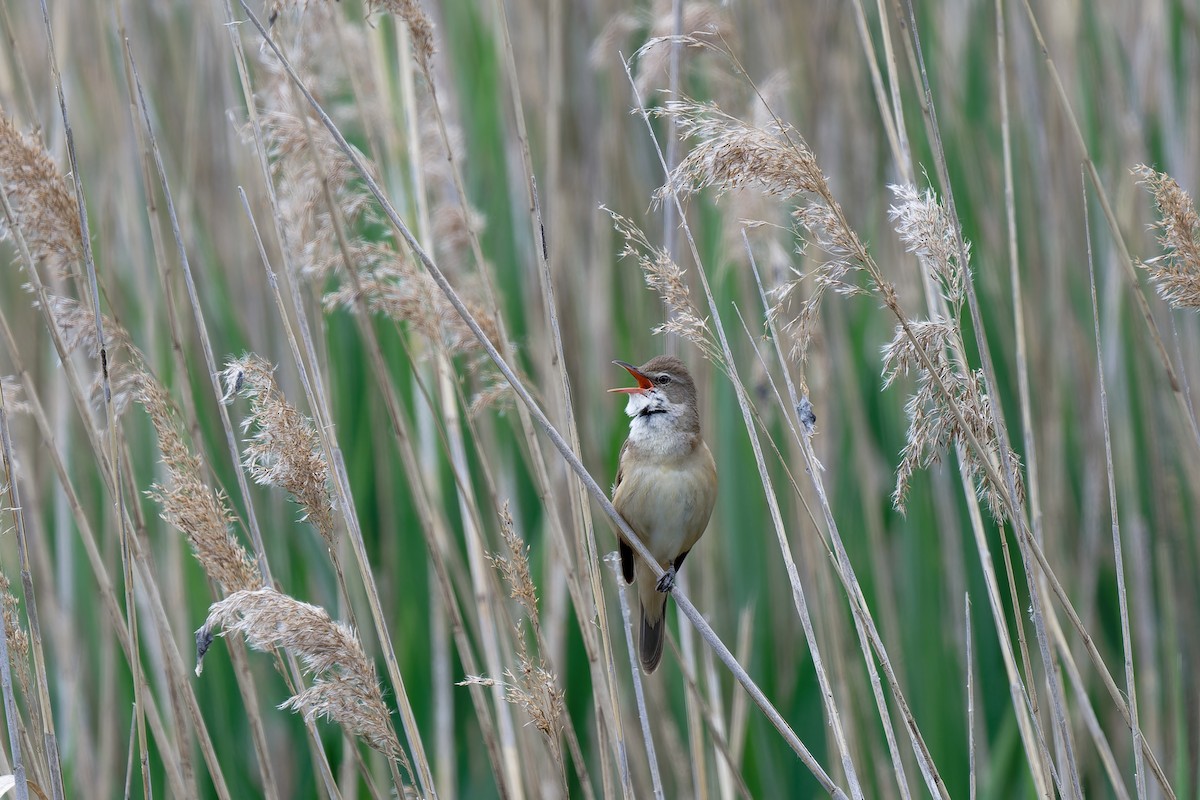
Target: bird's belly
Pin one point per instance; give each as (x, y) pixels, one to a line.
(668, 507)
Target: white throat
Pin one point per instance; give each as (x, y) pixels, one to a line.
(654, 424)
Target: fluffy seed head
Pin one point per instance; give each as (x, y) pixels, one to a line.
(1175, 273)
(345, 690)
(45, 208)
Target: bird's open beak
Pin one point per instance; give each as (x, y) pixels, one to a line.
(644, 383)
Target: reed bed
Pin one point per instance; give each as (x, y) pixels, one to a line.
(306, 316)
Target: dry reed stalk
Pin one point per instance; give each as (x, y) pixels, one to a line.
(707, 719)
(821, 216)
(107, 591)
(432, 526)
(1067, 774)
(1175, 273)
(115, 487)
(126, 379)
(636, 676)
(319, 399)
(802, 407)
(764, 161)
(1026, 723)
(345, 690)
(14, 644)
(423, 308)
(514, 569)
(1139, 760)
(1192, 455)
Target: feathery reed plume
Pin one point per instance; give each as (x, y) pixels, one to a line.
(514, 568)
(700, 21)
(933, 426)
(1176, 273)
(774, 159)
(18, 639)
(44, 206)
(126, 364)
(668, 280)
(345, 690)
(11, 386)
(612, 38)
(732, 154)
(189, 504)
(305, 160)
(420, 29)
(452, 227)
(533, 687)
(924, 227)
(404, 294)
(285, 448)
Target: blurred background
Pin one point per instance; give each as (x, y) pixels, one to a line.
(435, 445)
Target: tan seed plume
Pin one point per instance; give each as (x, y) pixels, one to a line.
(1175, 273)
(189, 504)
(44, 205)
(284, 449)
(345, 690)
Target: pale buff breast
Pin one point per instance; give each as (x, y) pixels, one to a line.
(667, 501)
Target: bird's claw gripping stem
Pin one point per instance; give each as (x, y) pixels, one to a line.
(667, 582)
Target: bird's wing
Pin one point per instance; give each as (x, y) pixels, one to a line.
(622, 547)
(703, 513)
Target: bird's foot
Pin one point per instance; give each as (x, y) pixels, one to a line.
(667, 582)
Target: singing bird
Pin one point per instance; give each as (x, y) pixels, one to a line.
(666, 487)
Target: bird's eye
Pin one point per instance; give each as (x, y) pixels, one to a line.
(664, 379)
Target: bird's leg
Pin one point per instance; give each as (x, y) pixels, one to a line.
(667, 582)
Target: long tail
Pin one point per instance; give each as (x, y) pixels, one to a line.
(653, 628)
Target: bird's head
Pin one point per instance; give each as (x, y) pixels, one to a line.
(664, 387)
